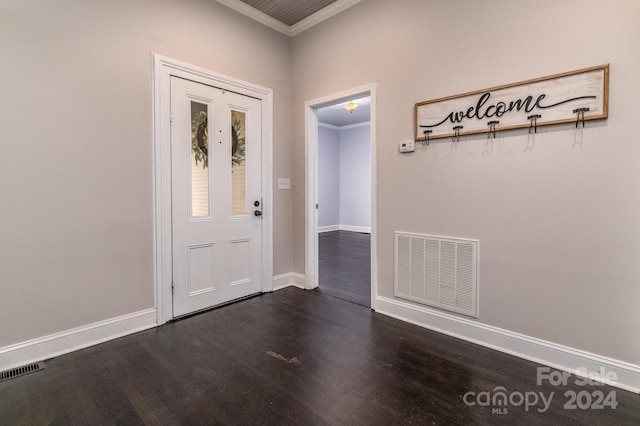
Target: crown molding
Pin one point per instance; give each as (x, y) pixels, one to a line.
(321, 15)
(255, 14)
(345, 127)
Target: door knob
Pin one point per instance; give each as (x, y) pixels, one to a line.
(257, 213)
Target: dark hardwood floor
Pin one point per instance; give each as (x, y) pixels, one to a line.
(345, 265)
(292, 357)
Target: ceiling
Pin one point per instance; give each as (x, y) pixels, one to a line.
(294, 16)
(289, 12)
(337, 115)
(290, 17)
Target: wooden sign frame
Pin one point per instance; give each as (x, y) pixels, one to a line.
(575, 96)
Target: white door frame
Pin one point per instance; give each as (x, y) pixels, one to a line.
(163, 69)
(311, 183)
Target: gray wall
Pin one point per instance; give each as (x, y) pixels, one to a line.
(355, 176)
(558, 224)
(76, 212)
(328, 176)
(344, 177)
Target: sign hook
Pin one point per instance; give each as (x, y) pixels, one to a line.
(534, 122)
(580, 115)
(456, 136)
(492, 129)
(426, 134)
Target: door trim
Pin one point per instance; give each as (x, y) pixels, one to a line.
(162, 69)
(311, 183)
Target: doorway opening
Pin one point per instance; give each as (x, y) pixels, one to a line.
(341, 236)
(344, 201)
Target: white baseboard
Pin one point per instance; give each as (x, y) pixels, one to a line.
(328, 228)
(352, 228)
(288, 280)
(78, 338)
(546, 353)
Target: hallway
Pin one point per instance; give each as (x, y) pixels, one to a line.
(345, 266)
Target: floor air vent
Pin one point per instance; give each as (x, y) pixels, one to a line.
(21, 371)
(437, 271)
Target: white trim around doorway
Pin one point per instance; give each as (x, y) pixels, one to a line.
(311, 182)
(162, 69)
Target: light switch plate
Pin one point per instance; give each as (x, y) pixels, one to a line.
(284, 183)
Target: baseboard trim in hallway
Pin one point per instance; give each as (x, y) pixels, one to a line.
(526, 347)
(78, 338)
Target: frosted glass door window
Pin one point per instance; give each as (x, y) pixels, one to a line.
(199, 160)
(238, 163)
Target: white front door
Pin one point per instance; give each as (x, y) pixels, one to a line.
(216, 196)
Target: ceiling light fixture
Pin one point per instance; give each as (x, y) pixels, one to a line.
(350, 106)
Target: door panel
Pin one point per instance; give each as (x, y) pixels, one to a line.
(216, 172)
(201, 270)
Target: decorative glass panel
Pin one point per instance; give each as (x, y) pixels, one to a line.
(238, 163)
(199, 161)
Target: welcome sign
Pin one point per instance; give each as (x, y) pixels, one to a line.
(575, 96)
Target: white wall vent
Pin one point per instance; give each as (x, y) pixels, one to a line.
(437, 271)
